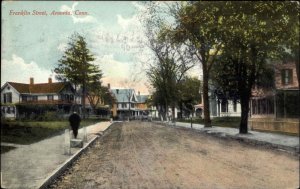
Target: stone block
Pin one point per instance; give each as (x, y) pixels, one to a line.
(76, 143)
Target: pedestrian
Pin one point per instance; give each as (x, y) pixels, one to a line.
(74, 120)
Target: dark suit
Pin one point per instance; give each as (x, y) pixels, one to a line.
(74, 120)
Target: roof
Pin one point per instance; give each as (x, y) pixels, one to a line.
(122, 94)
(142, 98)
(39, 88)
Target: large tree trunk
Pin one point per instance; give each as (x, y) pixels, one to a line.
(181, 111)
(244, 115)
(207, 121)
(173, 113)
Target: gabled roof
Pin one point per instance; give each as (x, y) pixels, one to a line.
(142, 98)
(20, 87)
(122, 94)
(39, 88)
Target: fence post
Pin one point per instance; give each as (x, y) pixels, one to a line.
(67, 147)
(84, 134)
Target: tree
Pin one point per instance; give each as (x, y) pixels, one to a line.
(107, 96)
(169, 69)
(169, 65)
(290, 41)
(197, 26)
(75, 66)
(188, 93)
(252, 33)
(99, 95)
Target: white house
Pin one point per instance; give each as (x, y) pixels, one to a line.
(220, 107)
(60, 94)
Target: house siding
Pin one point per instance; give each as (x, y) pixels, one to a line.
(278, 119)
(15, 93)
(36, 94)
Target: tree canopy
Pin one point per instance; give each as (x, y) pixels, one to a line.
(76, 65)
(240, 36)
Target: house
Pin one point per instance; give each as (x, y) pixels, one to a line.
(59, 96)
(277, 109)
(142, 105)
(219, 106)
(126, 103)
(129, 104)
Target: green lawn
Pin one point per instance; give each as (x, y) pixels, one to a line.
(28, 132)
(232, 122)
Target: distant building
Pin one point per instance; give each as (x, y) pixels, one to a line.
(219, 107)
(129, 104)
(60, 95)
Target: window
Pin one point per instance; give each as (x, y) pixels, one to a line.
(263, 106)
(34, 98)
(24, 98)
(66, 97)
(72, 97)
(49, 97)
(124, 105)
(254, 106)
(234, 106)
(8, 110)
(132, 105)
(224, 106)
(286, 76)
(7, 97)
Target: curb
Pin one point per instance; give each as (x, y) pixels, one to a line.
(289, 149)
(57, 172)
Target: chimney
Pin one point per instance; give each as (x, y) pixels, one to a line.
(108, 85)
(31, 81)
(49, 80)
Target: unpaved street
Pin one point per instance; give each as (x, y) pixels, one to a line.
(147, 155)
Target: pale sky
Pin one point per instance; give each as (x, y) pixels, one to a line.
(33, 44)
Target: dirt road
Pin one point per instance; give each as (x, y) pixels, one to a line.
(146, 155)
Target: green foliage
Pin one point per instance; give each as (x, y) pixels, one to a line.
(188, 93)
(108, 97)
(28, 132)
(163, 79)
(76, 67)
(232, 122)
(242, 35)
(254, 32)
(198, 25)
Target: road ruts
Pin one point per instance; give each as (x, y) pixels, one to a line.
(138, 155)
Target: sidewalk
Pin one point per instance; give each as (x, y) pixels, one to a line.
(29, 165)
(284, 142)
